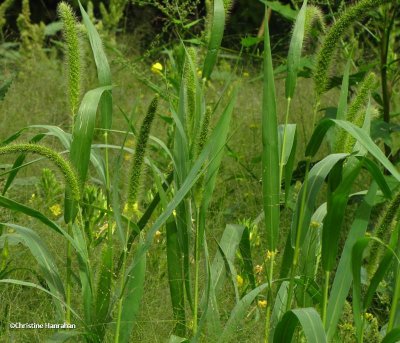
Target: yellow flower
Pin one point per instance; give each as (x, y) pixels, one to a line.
(246, 74)
(271, 254)
(127, 157)
(157, 68)
(258, 269)
(56, 210)
(262, 303)
(239, 280)
(174, 213)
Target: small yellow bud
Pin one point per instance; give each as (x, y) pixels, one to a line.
(239, 280)
(56, 210)
(271, 254)
(157, 68)
(262, 303)
(258, 269)
(246, 74)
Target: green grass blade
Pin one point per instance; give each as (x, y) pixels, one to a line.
(294, 54)
(270, 152)
(245, 252)
(229, 243)
(81, 144)
(343, 277)
(85, 274)
(316, 179)
(290, 153)
(359, 134)
(310, 322)
(175, 277)
(216, 34)
(33, 285)
(334, 218)
(279, 307)
(103, 292)
(103, 70)
(45, 260)
(392, 337)
(132, 297)
(238, 313)
(17, 207)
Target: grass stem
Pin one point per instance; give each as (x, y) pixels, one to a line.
(298, 236)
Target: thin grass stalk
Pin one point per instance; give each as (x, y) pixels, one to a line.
(68, 278)
(197, 269)
(396, 295)
(270, 161)
(120, 301)
(298, 236)
(325, 298)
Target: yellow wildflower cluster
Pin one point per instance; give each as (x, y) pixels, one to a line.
(271, 254)
(262, 303)
(55, 210)
(258, 269)
(157, 68)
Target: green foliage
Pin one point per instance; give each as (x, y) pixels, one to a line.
(112, 16)
(327, 50)
(32, 35)
(3, 8)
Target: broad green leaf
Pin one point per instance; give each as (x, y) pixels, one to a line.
(103, 291)
(270, 146)
(239, 312)
(103, 70)
(294, 54)
(392, 337)
(245, 251)
(176, 277)
(310, 322)
(81, 144)
(316, 179)
(337, 203)
(358, 133)
(15, 206)
(284, 10)
(279, 307)
(343, 277)
(45, 260)
(216, 34)
(132, 297)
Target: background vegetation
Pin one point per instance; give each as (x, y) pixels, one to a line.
(206, 171)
